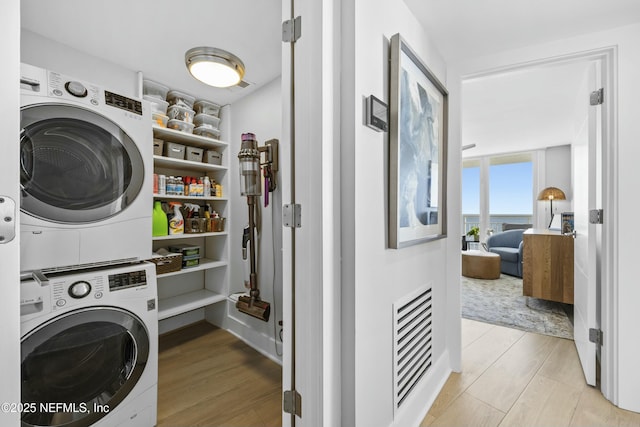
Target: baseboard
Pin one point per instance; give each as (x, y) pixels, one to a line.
(246, 328)
(418, 404)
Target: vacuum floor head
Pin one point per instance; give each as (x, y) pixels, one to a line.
(258, 308)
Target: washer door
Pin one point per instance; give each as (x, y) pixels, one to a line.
(76, 165)
(78, 367)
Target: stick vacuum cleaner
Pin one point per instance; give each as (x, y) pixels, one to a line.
(249, 157)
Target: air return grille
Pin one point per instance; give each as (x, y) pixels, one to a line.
(412, 339)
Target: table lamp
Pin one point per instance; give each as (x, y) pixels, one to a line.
(551, 194)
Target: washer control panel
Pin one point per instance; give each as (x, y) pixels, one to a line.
(61, 86)
(65, 292)
(101, 286)
(127, 280)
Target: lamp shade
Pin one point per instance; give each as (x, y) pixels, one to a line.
(214, 67)
(552, 193)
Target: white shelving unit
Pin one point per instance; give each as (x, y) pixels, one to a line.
(196, 287)
(179, 304)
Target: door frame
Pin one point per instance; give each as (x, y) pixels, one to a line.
(608, 296)
(9, 186)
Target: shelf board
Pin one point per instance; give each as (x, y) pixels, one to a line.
(171, 197)
(205, 264)
(189, 235)
(189, 301)
(187, 138)
(169, 162)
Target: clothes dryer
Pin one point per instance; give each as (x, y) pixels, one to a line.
(89, 348)
(86, 165)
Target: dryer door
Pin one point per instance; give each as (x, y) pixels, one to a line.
(76, 166)
(79, 366)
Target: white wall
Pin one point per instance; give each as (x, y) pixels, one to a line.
(623, 347)
(374, 277)
(258, 113)
(9, 187)
(43, 52)
(556, 168)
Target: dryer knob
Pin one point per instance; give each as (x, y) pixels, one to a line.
(76, 89)
(79, 290)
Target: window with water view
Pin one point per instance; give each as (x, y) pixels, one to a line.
(495, 191)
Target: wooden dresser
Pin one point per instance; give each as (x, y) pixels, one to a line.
(547, 270)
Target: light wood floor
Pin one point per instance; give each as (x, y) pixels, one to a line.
(208, 377)
(515, 378)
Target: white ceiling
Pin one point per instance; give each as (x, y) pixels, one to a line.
(525, 110)
(468, 28)
(152, 36)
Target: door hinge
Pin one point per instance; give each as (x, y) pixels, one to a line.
(292, 215)
(596, 216)
(292, 402)
(597, 97)
(7, 219)
(596, 336)
(292, 30)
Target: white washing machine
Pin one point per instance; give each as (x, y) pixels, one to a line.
(86, 167)
(89, 348)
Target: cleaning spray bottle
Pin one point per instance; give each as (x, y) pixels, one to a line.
(176, 223)
(159, 220)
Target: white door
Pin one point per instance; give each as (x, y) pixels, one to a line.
(9, 186)
(586, 181)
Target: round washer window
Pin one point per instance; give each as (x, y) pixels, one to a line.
(76, 166)
(80, 363)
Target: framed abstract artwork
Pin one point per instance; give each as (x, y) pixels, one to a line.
(417, 151)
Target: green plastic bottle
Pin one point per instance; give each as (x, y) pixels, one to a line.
(159, 219)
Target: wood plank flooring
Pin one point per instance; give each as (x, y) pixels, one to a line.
(208, 377)
(515, 378)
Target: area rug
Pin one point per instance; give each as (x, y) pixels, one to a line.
(500, 302)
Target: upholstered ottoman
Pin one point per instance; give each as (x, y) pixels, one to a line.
(480, 264)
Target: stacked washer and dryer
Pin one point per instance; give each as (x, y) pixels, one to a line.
(88, 303)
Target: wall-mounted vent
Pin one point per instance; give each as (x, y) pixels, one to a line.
(243, 84)
(412, 343)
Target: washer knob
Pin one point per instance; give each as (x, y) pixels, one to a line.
(79, 290)
(76, 89)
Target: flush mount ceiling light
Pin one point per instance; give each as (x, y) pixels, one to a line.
(214, 67)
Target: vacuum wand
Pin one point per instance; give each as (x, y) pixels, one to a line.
(253, 277)
(249, 162)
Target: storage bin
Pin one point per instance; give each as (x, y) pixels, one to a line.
(158, 146)
(216, 224)
(206, 107)
(212, 157)
(206, 121)
(154, 89)
(160, 119)
(157, 105)
(167, 264)
(175, 97)
(173, 150)
(178, 112)
(194, 154)
(186, 263)
(180, 125)
(186, 250)
(208, 132)
(195, 225)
